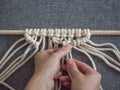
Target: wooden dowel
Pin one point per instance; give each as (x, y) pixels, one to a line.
(105, 32)
(93, 32)
(12, 32)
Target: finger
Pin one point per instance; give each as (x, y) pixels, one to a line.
(64, 78)
(67, 84)
(72, 69)
(58, 75)
(61, 52)
(51, 51)
(84, 67)
(64, 67)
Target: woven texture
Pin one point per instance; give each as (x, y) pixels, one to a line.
(93, 14)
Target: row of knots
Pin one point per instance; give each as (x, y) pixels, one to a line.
(66, 36)
(59, 32)
(31, 36)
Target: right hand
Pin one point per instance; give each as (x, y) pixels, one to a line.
(80, 76)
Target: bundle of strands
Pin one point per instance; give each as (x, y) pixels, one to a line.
(34, 38)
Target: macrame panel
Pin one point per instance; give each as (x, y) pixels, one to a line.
(105, 56)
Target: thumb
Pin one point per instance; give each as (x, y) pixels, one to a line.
(72, 69)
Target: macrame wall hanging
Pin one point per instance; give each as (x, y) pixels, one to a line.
(34, 38)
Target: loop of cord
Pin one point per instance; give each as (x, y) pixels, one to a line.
(31, 36)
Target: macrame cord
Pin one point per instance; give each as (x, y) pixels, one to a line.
(34, 38)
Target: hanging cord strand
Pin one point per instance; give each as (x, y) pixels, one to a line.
(104, 45)
(43, 34)
(87, 34)
(15, 66)
(15, 62)
(3, 60)
(103, 54)
(102, 58)
(20, 64)
(25, 54)
(12, 54)
(88, 56)
(110, 50)
(23, 62)
(8, 86)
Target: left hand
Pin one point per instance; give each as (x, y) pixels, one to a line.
(47, 64)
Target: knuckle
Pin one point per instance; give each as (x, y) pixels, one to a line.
(74, 70)
(56, 55)
(38, 55)
(98, 75)
(41, 52)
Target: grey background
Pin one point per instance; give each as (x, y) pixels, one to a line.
(93, 14)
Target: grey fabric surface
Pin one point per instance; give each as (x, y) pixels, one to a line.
(93, 14)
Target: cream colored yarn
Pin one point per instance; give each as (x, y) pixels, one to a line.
(80, 41)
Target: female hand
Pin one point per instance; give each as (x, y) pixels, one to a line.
(81, 76)
(47, 64)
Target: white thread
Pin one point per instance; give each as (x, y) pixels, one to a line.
(50, 33)
(16, 64)
(63, 33)
(78, 33)
(89, 57)
(9, 58)
(3, 61)
(105, 55)
(8, 86)
(104, 45)
(43, 33)
(102, 58)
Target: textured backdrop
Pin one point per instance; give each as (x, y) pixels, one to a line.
(93, 14)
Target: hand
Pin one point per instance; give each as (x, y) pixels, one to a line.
(81, 76)
(47, 64)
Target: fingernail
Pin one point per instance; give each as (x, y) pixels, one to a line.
(70, 62)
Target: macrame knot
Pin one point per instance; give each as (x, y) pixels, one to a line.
(63, 33)
(56, 37)
(64, 43)
(74, 43)
(78, 33)
(82, 38)
(57, 33)
(85, 36)
(35, 32)
(31, 37)
(70, 34)
(28, 31)
(43, 32)
(50, 32)
(86, 33)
